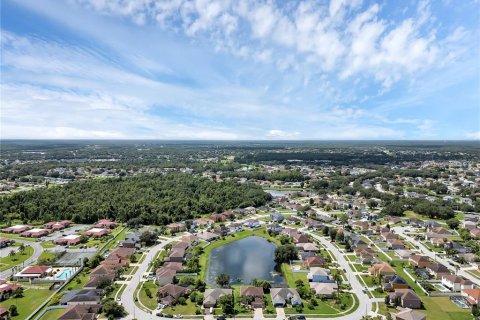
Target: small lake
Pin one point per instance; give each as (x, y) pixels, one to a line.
(248, 258)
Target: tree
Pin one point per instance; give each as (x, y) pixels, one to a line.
(13, 310)
(339, 237)
(393, 209)
(223, 280)
(343, 218)
(453, 223)
(22, 248)
(12, 254)
(285, 253)
(148, 292)
(113, 310)
(332, 233)
(148, 238)
(133, 258)
(227, 304)
(18, 293)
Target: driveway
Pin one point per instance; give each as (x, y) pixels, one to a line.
(258, 313)
(280, 313)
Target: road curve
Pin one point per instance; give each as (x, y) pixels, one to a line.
(37, 251)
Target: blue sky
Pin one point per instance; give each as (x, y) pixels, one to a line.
(176, 69)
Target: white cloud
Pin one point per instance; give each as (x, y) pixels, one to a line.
(275, 133)
(473, 135)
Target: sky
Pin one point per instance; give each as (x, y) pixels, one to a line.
(240, 70)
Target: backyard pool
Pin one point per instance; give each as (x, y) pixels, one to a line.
(64, 274)
(460, 302)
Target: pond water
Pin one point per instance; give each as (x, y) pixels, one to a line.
(247, 259)
(279, 193)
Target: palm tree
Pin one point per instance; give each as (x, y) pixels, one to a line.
(12, 254)
(336, 276)
(22, 248)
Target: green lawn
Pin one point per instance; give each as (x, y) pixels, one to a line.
(368, 281)
(328, 307)
(187, 309)
(443, 308)
(47, 244)
(9, 262)
(52, 314)
(16, 236)
(150, 303)
(47, 257)
(118, 235)
(475, 273)
(291, 276)
(32, 299)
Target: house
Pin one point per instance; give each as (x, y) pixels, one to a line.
(81, 312)
(322, 289)
(165, 276)
(475, 233)
(395, 244)
(437, 270)
(456, 283)
(97, 280)
(440, 230)
(106, 223)
(7, 289)
(255, 294)
(176, 255)
(300, 238)
(418, 261)
(35, 233)
(211, 296)
(406, 298)
(5, 242)
(360, 225)
(97, 232)
(437, 242)
(404, 253)
(57, 225)
(33, 272)
(314, 261)
(252, 224)
(277, 217)
(274, 227)
(388, 236)
(317, 274)
(207, 236)
(472, 296)
(170, 293)
(409, 314)
(201, 222)
(392, 282)
(381, 269)
(309, 247)
(4, 315)
(221, 230)
(469, 225)
(229, 214)
(82, 296)
(70, 240)
(313, 224)
(217, 218)
(281, 297)
(176, 227)
(17, 229)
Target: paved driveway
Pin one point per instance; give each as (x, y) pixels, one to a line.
(280, 313)
(258, 313)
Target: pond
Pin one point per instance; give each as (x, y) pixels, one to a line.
(279, 193)
(249, 258)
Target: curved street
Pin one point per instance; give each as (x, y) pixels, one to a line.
(37, 251)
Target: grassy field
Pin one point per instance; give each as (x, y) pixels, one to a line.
(443, 308)
(118, 235)
(46, 257)
(150, 303)
(16, 236)
(329, 307)
(52, 314)
(48, 244)
(9, 262)
(187, 309)
(32, 299)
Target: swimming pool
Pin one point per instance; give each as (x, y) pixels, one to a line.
(64, 275)
(460, 301)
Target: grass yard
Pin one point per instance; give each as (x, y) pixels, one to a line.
(48, 244)
(149, 302)
(46, 257)
(443, 308)
(52, 314)
(16, 236)
(368, 280)
(291, 276)
(475, 273)
(188, 309)
(32, 299)
(118, 235)
(9, 262)
(328, 307)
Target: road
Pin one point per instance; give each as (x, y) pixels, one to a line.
(365, 302)
(127, 295)
(37, 251)
(426, 251)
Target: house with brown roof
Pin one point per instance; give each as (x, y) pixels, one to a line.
(170, 293)
(314, 261)
(388, 236)
(253, 294)
(17, 229)
(211, 296)
(106, 223)
(300, 238)
(7, 289)
(360, 225)
(406, 298)
(395, 244)
(33, 272)
(165, 276)
(475, 233)
(393, 282)
(437, 270)
(381, 269)
(35, 233)
(217, 218)
(97, 232)
(323, 289)
(409, 314)
(5, 242)
(81, 312)
(4, 315)
(456, 283)
(472, 296)
(418, 261)
(96, 280)
(176, 227)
